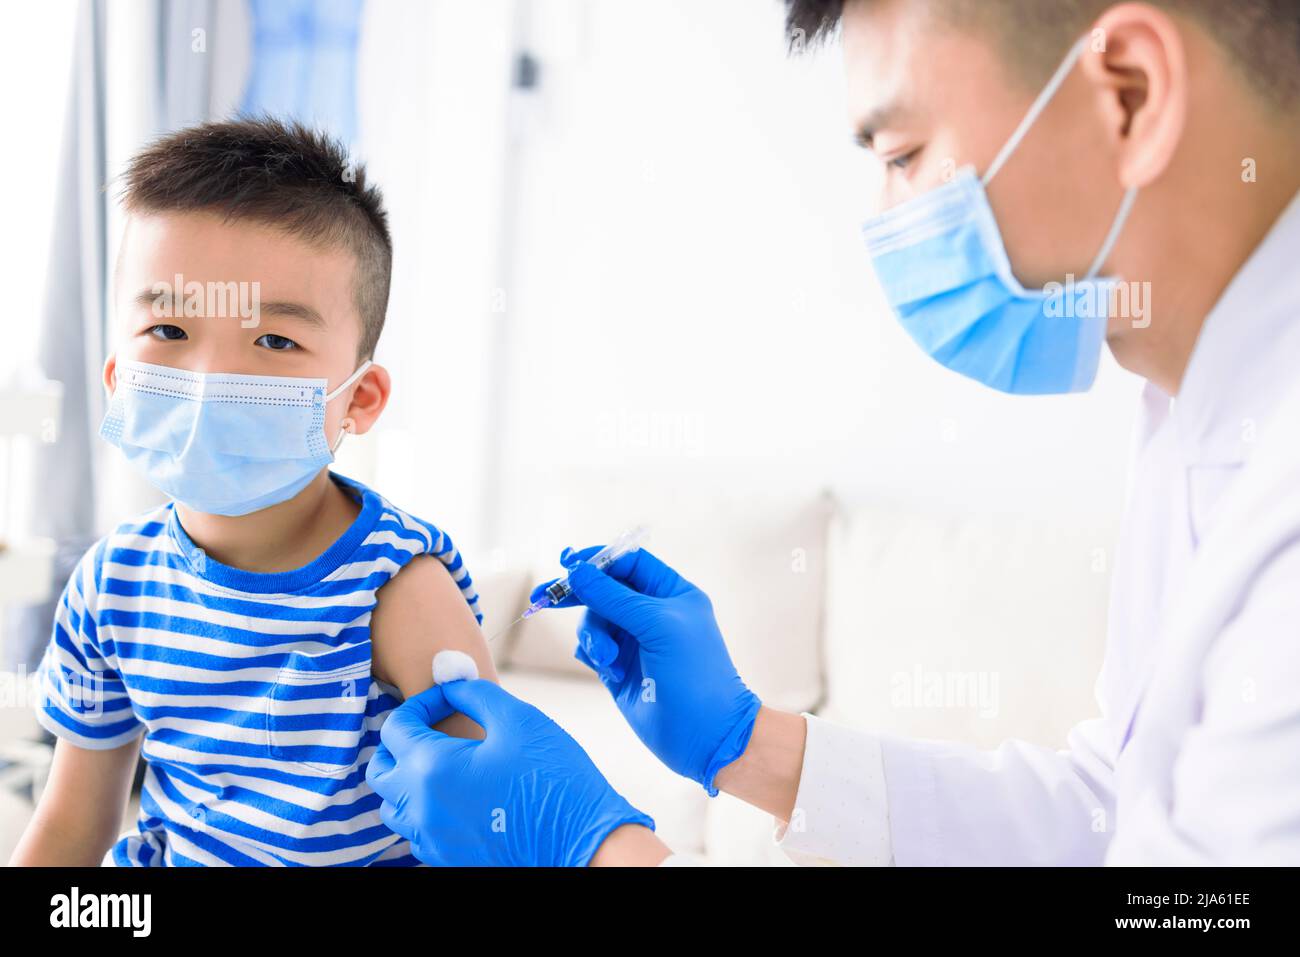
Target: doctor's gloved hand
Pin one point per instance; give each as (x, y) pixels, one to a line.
(651, 637)
(526, 795)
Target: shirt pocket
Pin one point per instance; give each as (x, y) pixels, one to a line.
(316, 711)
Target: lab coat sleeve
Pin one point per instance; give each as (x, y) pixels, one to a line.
(1020, 805)
(868, 799)
(840, 814)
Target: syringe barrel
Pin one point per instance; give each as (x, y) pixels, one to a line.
(627, 542)
(559, 591)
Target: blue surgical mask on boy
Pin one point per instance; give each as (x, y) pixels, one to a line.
(944, 268)
(220, 443)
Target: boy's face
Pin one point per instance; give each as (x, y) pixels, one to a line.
(268, 303)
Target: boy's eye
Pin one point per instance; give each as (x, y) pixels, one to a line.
(166, 332)
(276, 343)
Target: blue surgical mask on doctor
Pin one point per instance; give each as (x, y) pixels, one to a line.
(944, 269)
(221, 443)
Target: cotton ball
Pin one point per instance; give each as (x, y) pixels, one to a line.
(453, 666)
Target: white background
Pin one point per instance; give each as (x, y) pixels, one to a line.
(652, 263)
(687, 290)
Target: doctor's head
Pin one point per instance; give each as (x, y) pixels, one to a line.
(1194, 102)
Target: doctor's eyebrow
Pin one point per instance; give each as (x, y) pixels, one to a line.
(864, 133)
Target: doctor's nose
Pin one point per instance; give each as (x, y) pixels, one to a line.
(895, 190)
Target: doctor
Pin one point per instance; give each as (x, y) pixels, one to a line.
(1035, 188)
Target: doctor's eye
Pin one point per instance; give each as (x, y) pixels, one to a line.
(166, 332)
(276, 343)
(905, 160)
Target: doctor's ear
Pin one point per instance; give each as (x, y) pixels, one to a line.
(1136, 62)
(369, 397)
(110, 374)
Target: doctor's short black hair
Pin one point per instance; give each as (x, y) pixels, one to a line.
(1261, 36)
(279, 173)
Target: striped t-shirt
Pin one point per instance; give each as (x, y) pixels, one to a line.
(253, 691)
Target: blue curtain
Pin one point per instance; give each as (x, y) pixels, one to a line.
(305, 63)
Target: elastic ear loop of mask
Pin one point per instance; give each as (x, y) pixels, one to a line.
(343, 432)
(1053, 86)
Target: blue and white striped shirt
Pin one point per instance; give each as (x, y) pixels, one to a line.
(253, 691)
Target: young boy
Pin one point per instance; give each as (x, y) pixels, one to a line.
(256, 631)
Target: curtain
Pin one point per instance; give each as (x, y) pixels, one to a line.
(305, 63)
(139, 70)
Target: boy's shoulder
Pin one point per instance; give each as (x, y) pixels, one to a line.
(127, 543)
(399, 522)
(428, 604)
(405, 529)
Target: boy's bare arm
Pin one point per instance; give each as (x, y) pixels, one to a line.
(420, 612)
(80, 812)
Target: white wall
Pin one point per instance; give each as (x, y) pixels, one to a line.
(693, 294)
(35, 66)
(682, 290)
(432, 103)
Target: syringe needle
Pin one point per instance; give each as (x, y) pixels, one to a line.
(507, 628)
(560, 589)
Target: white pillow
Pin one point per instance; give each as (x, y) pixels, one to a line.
(971, 628)
(501, 593)
(760, 559)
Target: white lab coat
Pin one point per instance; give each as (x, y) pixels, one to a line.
(1196, 759)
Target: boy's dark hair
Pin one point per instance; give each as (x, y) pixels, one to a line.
(282, 174)
(1261, 36)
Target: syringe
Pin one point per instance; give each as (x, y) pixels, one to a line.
(626, 543)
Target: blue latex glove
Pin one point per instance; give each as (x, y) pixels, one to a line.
(526, 795)
(651, 637)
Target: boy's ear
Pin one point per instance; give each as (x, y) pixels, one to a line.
(110, 374)
(369, 397)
